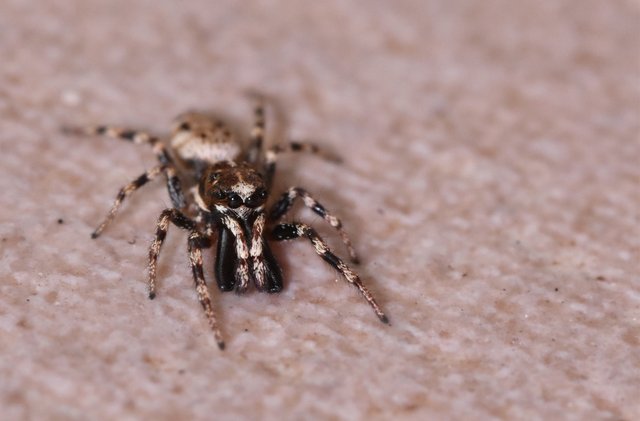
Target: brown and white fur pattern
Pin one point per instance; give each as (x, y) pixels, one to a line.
(227, 206)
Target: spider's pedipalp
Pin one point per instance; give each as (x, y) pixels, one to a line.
(242, 273)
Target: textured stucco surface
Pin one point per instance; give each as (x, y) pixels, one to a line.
(491, 184)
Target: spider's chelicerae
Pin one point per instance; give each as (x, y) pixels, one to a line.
(226, 205)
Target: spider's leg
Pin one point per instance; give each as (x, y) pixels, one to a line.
(295, 230)
(178, 219)
(174, 186)
(272, 154)
(258, 130)
(140, 137)
(283, 205)
(125, 192)
(134, 136)
(196, 243)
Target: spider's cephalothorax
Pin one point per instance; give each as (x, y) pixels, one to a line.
(226, 205)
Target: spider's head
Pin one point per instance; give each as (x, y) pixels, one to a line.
(227, 186)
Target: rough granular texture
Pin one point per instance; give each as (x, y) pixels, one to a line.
(491, 184)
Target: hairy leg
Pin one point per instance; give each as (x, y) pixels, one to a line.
(284, 204)
(295, 230)
(258, 130)
(178, 219)
(272, 155)
(139, 137)
(196, 243)
(125, 192)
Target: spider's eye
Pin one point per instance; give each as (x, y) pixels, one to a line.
(213, 176)
(234, 201)
(257, 198)
(219, 194)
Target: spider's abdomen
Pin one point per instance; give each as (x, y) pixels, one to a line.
(197, 137)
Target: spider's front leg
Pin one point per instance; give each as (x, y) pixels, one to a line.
(284, 204)
(295, 230)
(196, 243)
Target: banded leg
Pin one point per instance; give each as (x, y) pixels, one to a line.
(295, 230)
(174, 187)
(258, 130)
(271, 156)
(113, 132)
(284, 204)
(139, 137)
(196, 243)
(179, 220)
(125, 192)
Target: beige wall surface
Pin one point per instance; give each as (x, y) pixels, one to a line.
(491, 184)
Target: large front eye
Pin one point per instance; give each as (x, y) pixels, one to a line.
(234, 201)
(257, 198)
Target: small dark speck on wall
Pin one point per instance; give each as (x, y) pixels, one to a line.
(60, 221)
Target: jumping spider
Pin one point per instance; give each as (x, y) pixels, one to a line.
(229, 189)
